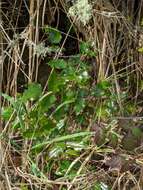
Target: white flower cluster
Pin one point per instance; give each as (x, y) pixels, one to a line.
(82, 10)
(41, 50)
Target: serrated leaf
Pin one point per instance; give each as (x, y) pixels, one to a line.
(33, 92)
(86, 49)
(55, 82)
(54, 35)
(58, 64)
(45, 128)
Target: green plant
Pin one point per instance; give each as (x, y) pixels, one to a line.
(76, 132)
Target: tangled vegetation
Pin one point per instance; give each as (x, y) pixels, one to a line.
(71, 95)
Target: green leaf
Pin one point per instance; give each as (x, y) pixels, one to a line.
(35, 170)
(140, 50)
(62, 105)
(113, 140)
(97, 187)
(31, 133)
(55, 82)
(104, 186)
(72, 152)
(45, 128)
(47, 125)
(79, 106)
(104, 85)
(61, 124)
(70, 94)
(101, 89)
(64, 165)
(130, 142)
(55, 152)
(76, 146)
(16, 123)
(86, 49)
(64, 138)
(8, 98)
(47, 102)
(54, 35)
(58, 64)
(23, 186)
(136, 132)
(33, 92)
(7, 112)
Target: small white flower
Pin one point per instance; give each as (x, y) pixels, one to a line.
(82, 10)
(41, 50)
(80, 77)
(85, 74)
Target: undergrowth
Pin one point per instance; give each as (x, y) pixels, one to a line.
(71, 120)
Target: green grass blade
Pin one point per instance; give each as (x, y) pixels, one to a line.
(64, 138)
